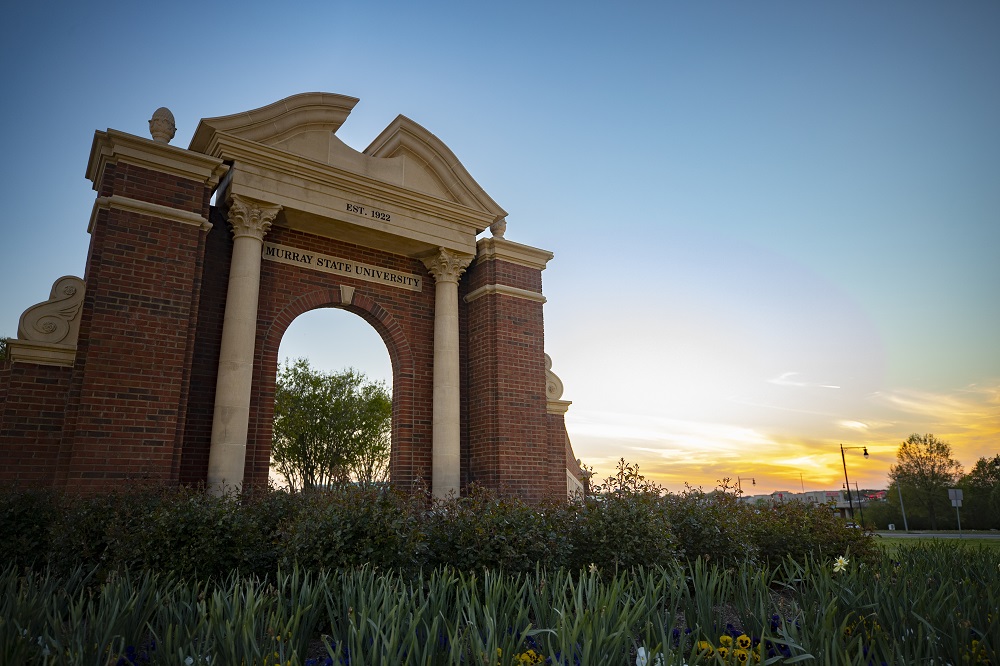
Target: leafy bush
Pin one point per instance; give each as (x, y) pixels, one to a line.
(187, 532)
(25, 523)
(489, 530)
(354, 526)
(798, 530)
(713, 526)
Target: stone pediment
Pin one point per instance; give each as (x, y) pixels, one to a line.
(404, 155)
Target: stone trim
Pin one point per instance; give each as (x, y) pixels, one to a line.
(488, 249)
(41, 353)
(558, 406)
(131, 205)
(488, 289)
(113, 146)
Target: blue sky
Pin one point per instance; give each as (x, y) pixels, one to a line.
(776, 224)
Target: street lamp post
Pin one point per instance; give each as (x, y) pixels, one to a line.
(739, 485)
(861, 503)
(847, 484)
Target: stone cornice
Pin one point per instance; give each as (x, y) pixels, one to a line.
(506, 290)
(251, 218)
(558, 407)
(41, 353)
(112, 146)
(447, 266)
(145, 208)
(488, 249)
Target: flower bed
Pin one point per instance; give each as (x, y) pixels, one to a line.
(931, 604)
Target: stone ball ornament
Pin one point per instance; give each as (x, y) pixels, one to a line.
(161, 125)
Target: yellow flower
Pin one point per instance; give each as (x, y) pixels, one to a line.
(742, 655)
(840, 564)
(743, 641)
(705, 648)
(723, 651)
(528, 658)
(726, 640)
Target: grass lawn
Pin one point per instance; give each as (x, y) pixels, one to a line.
(891, 542)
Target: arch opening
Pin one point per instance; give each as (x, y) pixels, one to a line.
(337, 339)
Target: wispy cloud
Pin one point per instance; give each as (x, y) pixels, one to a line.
(788, 379)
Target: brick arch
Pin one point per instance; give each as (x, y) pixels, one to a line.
(266, 366)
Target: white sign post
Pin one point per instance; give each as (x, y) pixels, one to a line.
(955, 495)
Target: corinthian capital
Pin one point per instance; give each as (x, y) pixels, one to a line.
(251, 218)
(447, 265)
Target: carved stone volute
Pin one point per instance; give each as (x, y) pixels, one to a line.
(57, 320)
(553, 385)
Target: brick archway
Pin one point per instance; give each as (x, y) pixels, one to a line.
(266, 367)
(169, 373)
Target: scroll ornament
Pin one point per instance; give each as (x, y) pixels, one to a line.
(57, 320)
(553, 385)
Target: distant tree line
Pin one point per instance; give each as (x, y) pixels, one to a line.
(924, 472)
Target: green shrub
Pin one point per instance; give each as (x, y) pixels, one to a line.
(782, 529)
(712, 526)
(629, 522)
(489, 530)
(26, 518)
(352, 526)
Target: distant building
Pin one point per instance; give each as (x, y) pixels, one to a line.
(835, 499)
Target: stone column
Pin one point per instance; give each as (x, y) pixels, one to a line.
(250, 222)
(446, 267)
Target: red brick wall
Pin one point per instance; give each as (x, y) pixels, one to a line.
(205, 353)
(32, 407)
(129, 391)
(505, 402)
(404, 319)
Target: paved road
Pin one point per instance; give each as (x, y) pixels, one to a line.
(899, 534)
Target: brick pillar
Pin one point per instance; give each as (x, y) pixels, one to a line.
(508, 440)
(128, 394)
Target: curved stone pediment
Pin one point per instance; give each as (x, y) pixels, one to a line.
(404, 155)
(309, 113)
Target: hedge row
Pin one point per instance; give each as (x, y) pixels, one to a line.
(192, 533)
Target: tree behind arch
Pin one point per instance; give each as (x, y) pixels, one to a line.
(329, 428)
(924, 464)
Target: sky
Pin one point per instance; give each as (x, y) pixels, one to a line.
(776, 225)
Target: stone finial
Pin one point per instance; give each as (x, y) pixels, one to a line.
(499, 227)
(161, 125)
